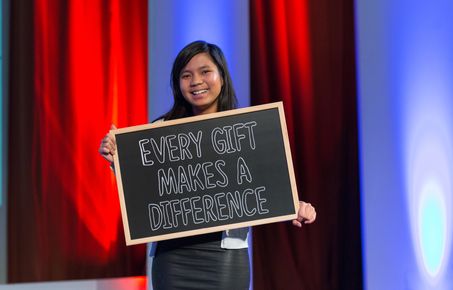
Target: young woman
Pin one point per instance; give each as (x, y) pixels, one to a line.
(201, 84)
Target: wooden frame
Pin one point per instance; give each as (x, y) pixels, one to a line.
(117, 162)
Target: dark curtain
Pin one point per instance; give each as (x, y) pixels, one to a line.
(76, 66)
(302, 52)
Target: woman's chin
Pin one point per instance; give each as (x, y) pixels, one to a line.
(204, 108)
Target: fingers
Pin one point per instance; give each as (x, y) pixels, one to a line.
(306, 214)
(108, 145)
(110, 140)
(297, 223)
(311, 217)
(108, 157)
(107, 148)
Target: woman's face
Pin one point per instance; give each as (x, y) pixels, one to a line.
(200, 84)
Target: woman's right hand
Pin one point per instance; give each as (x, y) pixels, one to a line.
(108, 146)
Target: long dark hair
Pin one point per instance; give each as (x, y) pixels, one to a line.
(227, 97)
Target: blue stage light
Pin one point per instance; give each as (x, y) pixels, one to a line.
(426, 110)
(405, 72)
(432, 228)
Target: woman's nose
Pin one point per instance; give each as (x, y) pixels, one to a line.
(196, 80)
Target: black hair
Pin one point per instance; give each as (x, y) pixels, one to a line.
(227, 97)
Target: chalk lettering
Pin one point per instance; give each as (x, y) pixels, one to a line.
(167, 214)
(174, 147)
(243, 171)
(218, 144)
(196, 177)
(186, 211)
(197, 141)
(249, 126)
(196, 210)
(218, 165)
(184, 142)
(208, 174)
(228, 138)
(167, 181)
(159, 150)
(238, 135)
(221, 205)
(201, 210)
(208, 206)
(261, 200)
(176, 210)
(146, 160)
(193, 175)
(155, 216)
(245, 202)
(184, 180)
(234, 204)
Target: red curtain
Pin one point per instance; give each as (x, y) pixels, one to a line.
(302, 52)
(87, 70)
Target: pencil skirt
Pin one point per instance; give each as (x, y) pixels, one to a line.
(199, 263)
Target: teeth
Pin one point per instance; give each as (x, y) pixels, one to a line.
(199, 92)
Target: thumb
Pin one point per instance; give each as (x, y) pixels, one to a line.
(113, 127)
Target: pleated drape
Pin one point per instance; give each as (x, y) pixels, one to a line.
(302, 52)
(87, 70)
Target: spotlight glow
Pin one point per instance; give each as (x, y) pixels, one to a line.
(405, 58)
(428, 150)
(432, 227)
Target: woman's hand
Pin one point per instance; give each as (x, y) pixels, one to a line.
(108, 146)
(306, 214)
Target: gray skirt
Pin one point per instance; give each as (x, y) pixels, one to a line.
(199, 263)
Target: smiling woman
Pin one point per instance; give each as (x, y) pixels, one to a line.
(201, 83)
(199, 71)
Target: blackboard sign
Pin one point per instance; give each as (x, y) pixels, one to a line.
(205, 174)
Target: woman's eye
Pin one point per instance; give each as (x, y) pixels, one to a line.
(186, 76)
(205, 71)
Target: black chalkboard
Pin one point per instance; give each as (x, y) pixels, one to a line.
(204, 174)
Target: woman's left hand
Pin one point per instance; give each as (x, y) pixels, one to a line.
(306, 214)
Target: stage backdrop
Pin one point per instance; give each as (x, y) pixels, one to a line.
(72, 64)
(302, 52)
(76, 67)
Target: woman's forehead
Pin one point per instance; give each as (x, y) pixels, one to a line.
(198, 61)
